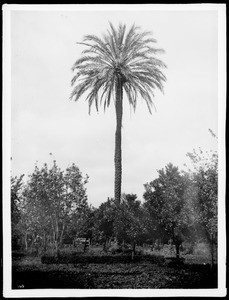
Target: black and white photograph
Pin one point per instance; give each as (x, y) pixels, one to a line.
(114, 150)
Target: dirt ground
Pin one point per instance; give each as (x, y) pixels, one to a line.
(30, 273)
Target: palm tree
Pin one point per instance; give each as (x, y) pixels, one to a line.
(119, 61)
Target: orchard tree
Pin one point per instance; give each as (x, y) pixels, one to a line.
(76, 209)
(205, 181)
(104, 221)
(52, 198)
(89, 228)
(164, 198)
(28, 223)
(129, 225)
(16, 198)
(81, 224)
(191, 211)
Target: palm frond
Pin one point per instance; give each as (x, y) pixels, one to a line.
(80, 89)
(101, 45)
(113, 33)
(97, 49)
(129, 36)
(121, 33)
(131, 94)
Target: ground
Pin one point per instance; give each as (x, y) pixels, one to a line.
(31, 273)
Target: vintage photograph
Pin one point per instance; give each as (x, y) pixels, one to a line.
(114, 150)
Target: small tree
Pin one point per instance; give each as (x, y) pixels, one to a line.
(165, 200)
(105, 216)
(81, 224)
(16, 190)
(205, 181)
(129, 225)
(52, 198)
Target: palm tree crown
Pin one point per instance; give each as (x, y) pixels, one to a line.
(118, 55)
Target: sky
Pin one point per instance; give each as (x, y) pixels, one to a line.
(44, 120)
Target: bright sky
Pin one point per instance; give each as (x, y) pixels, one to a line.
(44, 120)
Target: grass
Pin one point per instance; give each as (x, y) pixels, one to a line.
(100, 273)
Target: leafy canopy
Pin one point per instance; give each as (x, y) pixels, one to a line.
(129, 225)
(119, 55)
(205, 180)
(164, 197)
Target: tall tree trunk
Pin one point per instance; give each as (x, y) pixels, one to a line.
(105, 244)
(26, 241)
(44, 242)
(32, 243)
(85, 245)
(177, 245)
(61, 235)
(118, 140)
(57, 238)
(133, 250)
(56, 242)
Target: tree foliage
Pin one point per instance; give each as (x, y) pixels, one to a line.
(16, 187)
(16, 191)
(184, 205)
(165, 199)
(105, 215)
(205, 181)
(129, 225)
(53, 200)
(51, 208)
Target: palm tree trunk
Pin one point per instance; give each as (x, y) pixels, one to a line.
(118, 141)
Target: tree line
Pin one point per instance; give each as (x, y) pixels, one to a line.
(51, 208)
